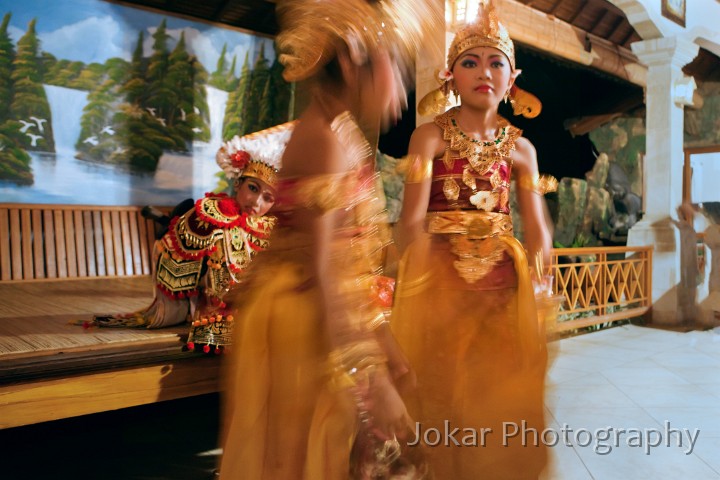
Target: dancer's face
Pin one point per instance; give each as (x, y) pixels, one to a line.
(482, 76)
(254, 196)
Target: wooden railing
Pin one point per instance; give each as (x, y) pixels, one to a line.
(601, 284)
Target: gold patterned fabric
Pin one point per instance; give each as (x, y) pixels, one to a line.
(465, 316)
(205, 252)
(481, 154)
(478, 351)
(287, 417)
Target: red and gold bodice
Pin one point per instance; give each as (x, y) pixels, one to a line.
(495, 181)
(469, 205)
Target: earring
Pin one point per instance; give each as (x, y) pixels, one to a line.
(507, 95)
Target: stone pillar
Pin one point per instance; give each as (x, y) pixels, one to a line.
(709, 307)
(672, 301)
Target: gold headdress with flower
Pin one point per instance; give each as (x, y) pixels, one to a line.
(311, 31)
(255, 155)
(485, 31)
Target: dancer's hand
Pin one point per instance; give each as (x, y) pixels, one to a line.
(388, 415)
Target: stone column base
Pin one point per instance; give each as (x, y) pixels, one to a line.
(674, 271)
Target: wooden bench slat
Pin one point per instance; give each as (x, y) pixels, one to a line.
(5, 271)
(50, 262)
(99, 243)
(116, 236)
(15, 245)
(80, 243)
(70, 248)
(38, 254)
(145, 240)
(90, 254)
(60, 251)
(107, 236)
(135, 220)
(126, 243)
(26, 242)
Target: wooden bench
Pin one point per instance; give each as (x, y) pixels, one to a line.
(65, 262)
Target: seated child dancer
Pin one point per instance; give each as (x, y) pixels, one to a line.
(206, 250)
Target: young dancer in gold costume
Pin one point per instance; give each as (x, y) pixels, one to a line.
(464, 311)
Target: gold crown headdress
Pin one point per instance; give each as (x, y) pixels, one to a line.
(255, 155)
(485, 31)
(311, 31)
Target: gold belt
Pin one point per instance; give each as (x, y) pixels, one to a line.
(475, 224)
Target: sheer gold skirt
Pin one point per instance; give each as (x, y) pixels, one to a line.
(281, 419)
(480, 361)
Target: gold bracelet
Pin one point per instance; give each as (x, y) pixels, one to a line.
(377, 321)
(540, 184)
(348, 361)
(417, 167)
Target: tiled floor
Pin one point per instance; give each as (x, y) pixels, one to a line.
(644, 381)
(632, 378)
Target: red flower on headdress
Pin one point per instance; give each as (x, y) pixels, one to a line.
(240, 159)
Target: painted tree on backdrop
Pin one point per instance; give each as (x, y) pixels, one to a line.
(164, 107)
(135, 110)
(261, 97)
(14, 160)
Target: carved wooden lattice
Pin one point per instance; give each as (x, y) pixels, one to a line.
(601, 284)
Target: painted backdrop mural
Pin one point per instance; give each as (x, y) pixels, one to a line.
(103, 104)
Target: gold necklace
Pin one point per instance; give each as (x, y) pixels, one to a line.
(481, 154)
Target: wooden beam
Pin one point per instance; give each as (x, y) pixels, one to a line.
(618, 21)
(577, 12)
(598, 21)
(554, 7)
(534, 28)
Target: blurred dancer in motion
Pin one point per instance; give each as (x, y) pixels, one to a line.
(310, 378)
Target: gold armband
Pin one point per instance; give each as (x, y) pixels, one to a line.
(540, 184)
(417, 168)
(349, 362)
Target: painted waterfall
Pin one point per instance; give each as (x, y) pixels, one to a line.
(103, 104)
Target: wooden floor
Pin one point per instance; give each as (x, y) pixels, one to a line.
(51, 368)
(38, 330)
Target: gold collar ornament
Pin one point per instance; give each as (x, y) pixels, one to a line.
(481, 154)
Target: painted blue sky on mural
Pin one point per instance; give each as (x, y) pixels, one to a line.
(93, 31)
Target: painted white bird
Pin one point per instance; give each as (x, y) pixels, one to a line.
(197, 129)
(161, 120)
(34, 139)
(151, 110)
(25, 126)
(108, 129)
(91, 140)
(183, 115)
(39, 122)
(197, 110)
